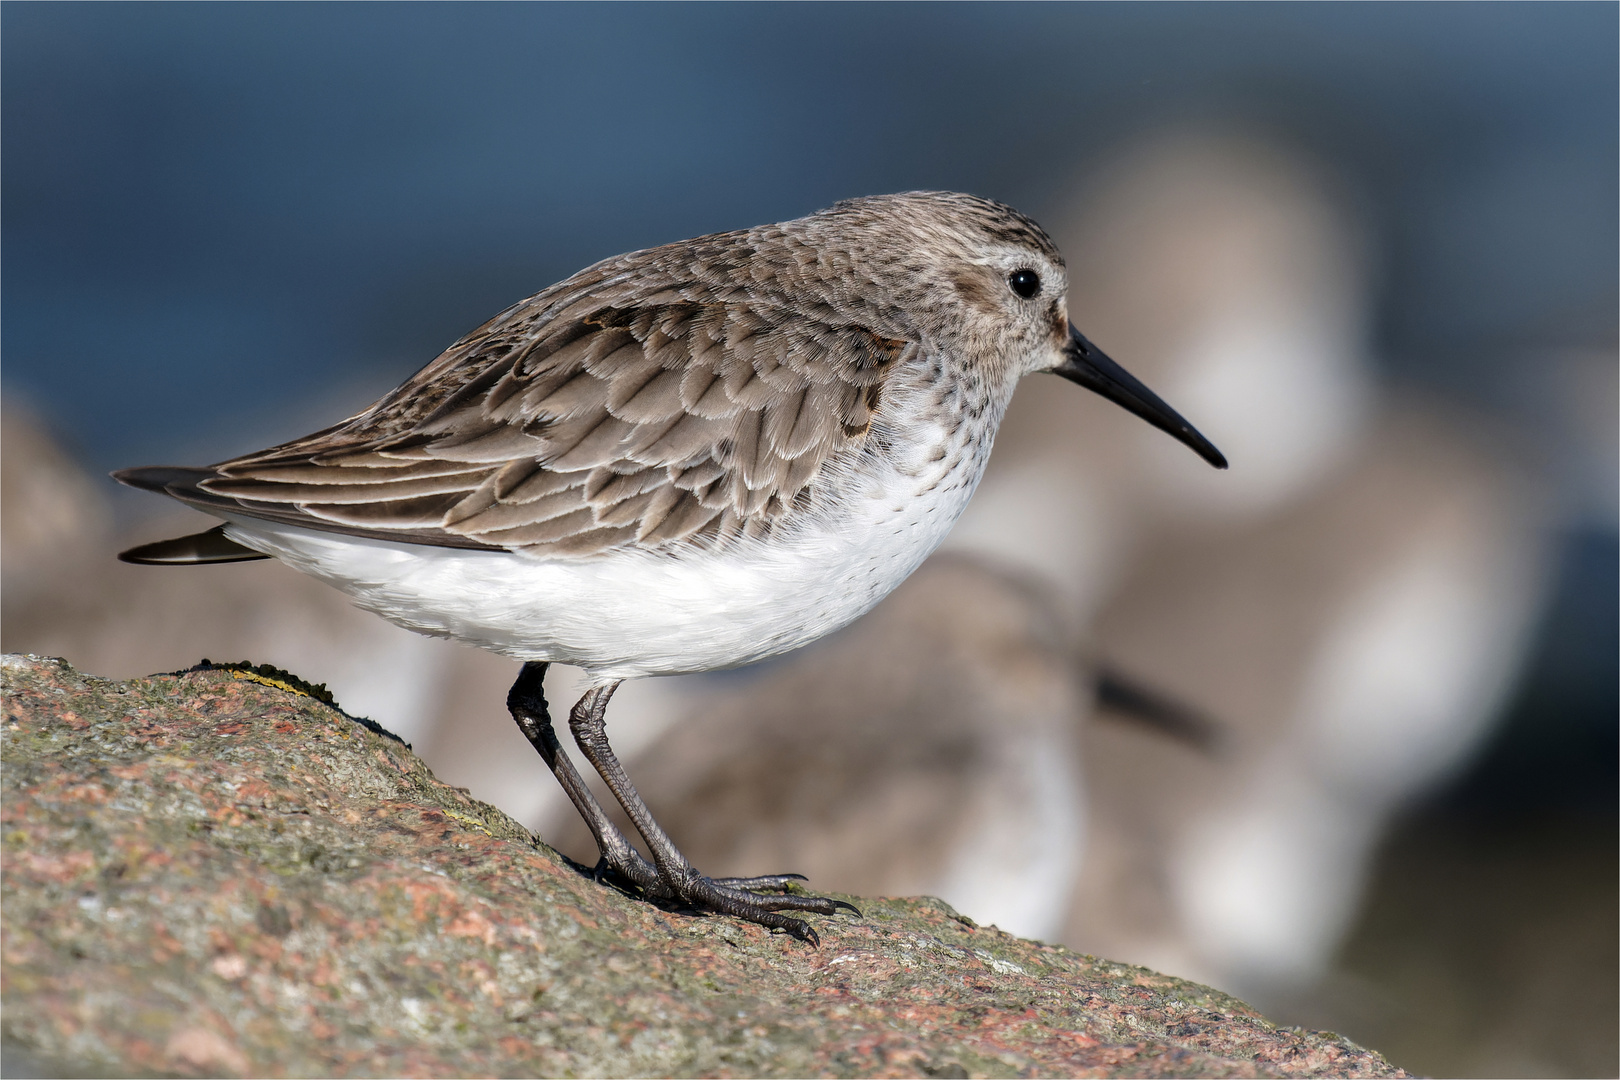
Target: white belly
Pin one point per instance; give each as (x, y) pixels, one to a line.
(634, 612)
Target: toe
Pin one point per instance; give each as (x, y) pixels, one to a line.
(764, 881)
(818, 905)
(705, 894)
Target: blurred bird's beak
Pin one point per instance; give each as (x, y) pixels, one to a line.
(1089, 366)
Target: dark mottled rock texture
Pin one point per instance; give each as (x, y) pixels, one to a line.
(208, 875)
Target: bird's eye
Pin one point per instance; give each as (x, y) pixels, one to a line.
(1025, 283)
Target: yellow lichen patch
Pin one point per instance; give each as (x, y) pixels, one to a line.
(268, 675)
(266, 681)
(470, 822)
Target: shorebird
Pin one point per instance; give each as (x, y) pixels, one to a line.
(681, 459)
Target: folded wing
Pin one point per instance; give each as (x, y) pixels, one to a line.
(579, 422)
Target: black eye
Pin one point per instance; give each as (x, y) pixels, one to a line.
(1025, 283)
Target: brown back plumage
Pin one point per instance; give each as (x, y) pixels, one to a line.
(693, 391)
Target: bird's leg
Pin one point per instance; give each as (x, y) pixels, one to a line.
(527, 703)
(590, 733)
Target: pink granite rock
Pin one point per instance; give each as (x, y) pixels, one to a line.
(206, 875)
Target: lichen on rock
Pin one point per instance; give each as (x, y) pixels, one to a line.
(207, 875)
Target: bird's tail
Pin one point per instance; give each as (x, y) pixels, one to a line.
(212, 546)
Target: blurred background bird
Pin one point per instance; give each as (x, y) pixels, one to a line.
(1371, 250)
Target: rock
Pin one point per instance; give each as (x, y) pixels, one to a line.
(206, 874)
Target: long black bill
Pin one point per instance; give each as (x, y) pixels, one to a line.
(1089, 366)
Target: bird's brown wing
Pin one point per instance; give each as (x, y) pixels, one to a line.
(576, 423)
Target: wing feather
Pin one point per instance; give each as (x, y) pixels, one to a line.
(581, 395)
(498, 515)
(683, 519)
(389, 471)
(538, 484)
(699, 476)
(602, 445)
(491, 445)
(717, 402)
(547, 530)
(658, 398)
(604, 487)
(415, 513)
(689, 440)
(625, 512)
(313, 494)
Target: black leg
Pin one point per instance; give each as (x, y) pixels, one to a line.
(527, 703)
(587, 722)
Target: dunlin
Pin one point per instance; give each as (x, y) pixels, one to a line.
(677, 460)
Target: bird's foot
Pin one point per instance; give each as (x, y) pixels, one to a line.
(755, 899)
(737, 897)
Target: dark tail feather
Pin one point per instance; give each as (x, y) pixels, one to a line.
(212, 546)
(160, 478)
(1129, 698)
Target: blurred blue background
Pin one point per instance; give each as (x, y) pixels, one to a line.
(214, 211)
(226, 225)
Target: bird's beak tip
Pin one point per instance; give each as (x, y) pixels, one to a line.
(1092, 368)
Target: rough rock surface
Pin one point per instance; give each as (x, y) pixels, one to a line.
(207, 875)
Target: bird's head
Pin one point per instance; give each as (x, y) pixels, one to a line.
(987, 285)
